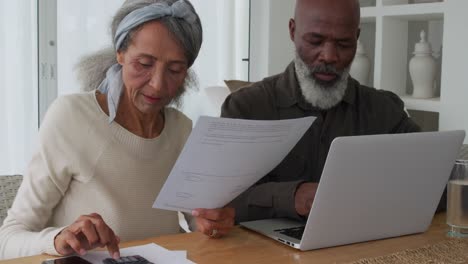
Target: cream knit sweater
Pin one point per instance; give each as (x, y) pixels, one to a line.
(85, 165)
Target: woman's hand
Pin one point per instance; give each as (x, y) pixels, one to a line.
(86, 233)
(214, 222)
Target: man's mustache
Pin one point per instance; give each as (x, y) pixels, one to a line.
(324, 68)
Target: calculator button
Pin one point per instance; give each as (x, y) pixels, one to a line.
(127, 260)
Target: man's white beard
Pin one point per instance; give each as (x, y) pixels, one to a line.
(323, 96)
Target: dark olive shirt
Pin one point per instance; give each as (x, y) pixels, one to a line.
(363, 111)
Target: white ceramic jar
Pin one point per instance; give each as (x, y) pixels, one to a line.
(422, 68)
(361, 65)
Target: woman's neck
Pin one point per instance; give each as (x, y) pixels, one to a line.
(129, 117)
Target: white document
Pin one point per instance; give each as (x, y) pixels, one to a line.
(151, 252)
(223, 157)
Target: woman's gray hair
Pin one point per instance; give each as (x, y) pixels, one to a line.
(91, 69)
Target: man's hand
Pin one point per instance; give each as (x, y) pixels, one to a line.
(304, 198)
(86, 233)
(214, 222)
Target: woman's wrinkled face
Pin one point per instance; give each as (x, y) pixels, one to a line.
(154, 68)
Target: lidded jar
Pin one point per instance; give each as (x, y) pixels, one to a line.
(422, 68)
(361, 65)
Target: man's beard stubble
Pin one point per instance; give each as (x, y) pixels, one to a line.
(319, 94)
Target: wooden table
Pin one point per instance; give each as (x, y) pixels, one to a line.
(244, 246)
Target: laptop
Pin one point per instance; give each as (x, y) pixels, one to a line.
(372, 187)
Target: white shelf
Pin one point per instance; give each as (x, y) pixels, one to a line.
(398, 29)
(397, 23)
(406, 2)
(407, 12)
(415, 12)
(389, 31)
(429, 105)
(368, 14)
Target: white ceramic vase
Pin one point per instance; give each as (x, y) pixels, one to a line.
(422, 68)
(360, 67)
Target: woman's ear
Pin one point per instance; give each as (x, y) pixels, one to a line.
(120, 57)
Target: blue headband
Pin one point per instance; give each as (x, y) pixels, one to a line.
(112, 85)
(179, 9)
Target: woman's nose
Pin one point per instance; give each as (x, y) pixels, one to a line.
(158, 79)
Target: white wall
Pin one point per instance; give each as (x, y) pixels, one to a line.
(271, 49)
(454, 94)
(18, 84)
(225, 43)
(82, 27)
(259, 43)
(282, 48)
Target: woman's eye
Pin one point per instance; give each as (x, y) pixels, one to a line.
(146, 65)
(176, 70)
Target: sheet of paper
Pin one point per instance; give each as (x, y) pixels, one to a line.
(151, 252)
(223, 157)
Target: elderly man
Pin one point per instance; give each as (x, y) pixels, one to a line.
(316, 83)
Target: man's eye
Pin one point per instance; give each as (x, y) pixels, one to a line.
(315, 42)
(345, 44)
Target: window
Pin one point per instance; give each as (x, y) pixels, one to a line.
(42, 41)
(18, 84)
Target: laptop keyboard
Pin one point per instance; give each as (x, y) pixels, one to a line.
(295, 232)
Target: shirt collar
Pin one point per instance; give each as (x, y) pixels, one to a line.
(290, 93)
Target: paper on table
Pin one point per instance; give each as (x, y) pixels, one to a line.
(151, 252)
(223, 157)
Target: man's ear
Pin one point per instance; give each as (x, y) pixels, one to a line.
(292, 29)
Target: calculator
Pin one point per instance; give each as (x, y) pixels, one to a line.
(135, 259)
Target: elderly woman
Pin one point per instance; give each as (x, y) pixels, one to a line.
(105, 154)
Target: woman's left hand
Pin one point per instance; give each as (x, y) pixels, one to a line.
(214, 223)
